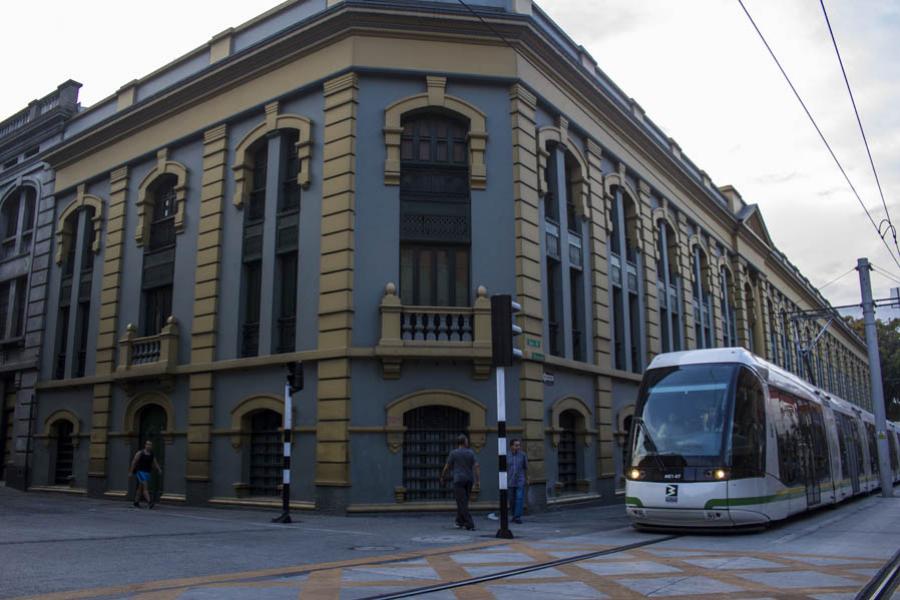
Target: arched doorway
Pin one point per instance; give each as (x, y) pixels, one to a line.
(430, 435)
(65, 452)
(266, 453)
(152, 422)
(567, 451)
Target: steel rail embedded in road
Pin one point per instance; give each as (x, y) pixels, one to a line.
(518, 571)
(885, 581)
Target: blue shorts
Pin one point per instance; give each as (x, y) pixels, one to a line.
(143, 476)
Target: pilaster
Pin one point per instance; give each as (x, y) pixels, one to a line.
(651, 293)
(528, 277)
(336, 284)
(106, 337)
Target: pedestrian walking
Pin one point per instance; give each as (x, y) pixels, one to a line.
(465, 472)
(143, 464)
(517, 479)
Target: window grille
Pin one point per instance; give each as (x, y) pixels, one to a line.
(430, 435)
(266, 453)
(65, 453)
(567, 458)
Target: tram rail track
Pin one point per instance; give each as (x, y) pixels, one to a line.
(419, 591)
(883, 584)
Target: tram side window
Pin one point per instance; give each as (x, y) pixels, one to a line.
(893, 450)
(873, 448)
(819, 444)
(748, 435)
(842, 445)
(787, 430)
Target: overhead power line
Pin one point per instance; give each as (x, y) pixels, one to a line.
(861, 130)
(884, 274)
(836, 279)
(819, 131)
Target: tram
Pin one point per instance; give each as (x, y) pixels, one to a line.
(722, 438)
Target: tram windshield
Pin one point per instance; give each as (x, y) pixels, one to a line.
(683, 416)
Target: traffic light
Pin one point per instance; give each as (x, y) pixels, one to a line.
(295, 376)
(504, 330)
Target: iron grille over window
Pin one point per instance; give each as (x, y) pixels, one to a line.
(265, 453)
(65, 453)
(431, 433)
(567, 459)
(434, 211)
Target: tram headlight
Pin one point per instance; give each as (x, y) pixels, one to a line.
(635, 474)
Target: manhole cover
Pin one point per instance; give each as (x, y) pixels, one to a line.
(441, 539)
(374, 548)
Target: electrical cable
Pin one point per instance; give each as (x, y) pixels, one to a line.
(819, 131)
(859, 122)
(884, 274)
(836, 279)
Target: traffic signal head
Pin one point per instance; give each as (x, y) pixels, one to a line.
(504, 330)
(295, 376)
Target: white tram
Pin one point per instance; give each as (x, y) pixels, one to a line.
(722, 438)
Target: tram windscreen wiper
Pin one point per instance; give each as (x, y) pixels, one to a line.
(650, 444)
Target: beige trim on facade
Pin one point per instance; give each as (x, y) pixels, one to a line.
(240, 414)
(394, 411)
(65, 233)
(145, 201)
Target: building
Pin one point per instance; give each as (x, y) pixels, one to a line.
(26, 215)
(345, 183)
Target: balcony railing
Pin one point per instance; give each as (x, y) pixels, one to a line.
(434, 332)
(150, 355)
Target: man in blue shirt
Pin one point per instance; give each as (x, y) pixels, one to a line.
(517, 479)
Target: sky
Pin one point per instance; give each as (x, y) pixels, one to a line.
(697, 68)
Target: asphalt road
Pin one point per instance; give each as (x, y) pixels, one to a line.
(53, 543)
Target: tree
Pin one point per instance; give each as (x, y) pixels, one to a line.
(889, 350)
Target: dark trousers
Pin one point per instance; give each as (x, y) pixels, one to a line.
(462, 491)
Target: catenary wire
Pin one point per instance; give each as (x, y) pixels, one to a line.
(819, 131)
(884, 274)
(859, 122)
(836, 279)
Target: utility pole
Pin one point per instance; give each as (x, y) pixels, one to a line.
(868, 305)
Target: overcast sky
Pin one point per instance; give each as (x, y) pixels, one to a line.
(696, 67)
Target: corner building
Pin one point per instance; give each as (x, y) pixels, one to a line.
(345, 184)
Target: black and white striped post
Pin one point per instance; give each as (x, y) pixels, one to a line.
(293, 384)
(504, 531)
(503, 350)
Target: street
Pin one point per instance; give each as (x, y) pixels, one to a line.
(54, 546)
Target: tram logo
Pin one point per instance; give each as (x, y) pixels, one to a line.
(671, 493)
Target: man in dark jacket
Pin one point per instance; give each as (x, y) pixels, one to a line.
(465, 472)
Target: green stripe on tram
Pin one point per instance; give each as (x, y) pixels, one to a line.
(749, 501)
(633, 501)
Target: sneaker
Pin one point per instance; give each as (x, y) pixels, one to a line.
(517, 520)
(470, 528)
(458, 526)
(137, 504)
(149, 506)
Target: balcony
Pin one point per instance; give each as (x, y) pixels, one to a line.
(149, 356)
(434, 332)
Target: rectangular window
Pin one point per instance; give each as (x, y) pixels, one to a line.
(62, 335)
(618, 329)
(83, 322)
(635, 332)
(252, 291)
(434, 275)
(157, 308)
(575, 281)
(18, 315)
(289, 199)
(4, 308)
(554, 306)
(287, 302)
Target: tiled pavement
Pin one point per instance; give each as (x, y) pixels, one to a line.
(670, 570)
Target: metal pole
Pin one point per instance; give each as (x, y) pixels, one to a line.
(286, 473)
(884, 463)
(504, 531)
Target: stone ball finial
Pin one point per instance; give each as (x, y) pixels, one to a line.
(481, 291)
(130, 327)
(170, 320)
(390, 289)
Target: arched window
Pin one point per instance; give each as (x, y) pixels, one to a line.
(434, 210)
(753, 342)
(254, 219)
(17, 222)
(729, 324)
(703, 316)
(266, 453)
(65, 452)
(787, 344)
(159, 255)
(627, 306)
(430, 435)
(773, 333)
(668, 285)
(74, 313)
